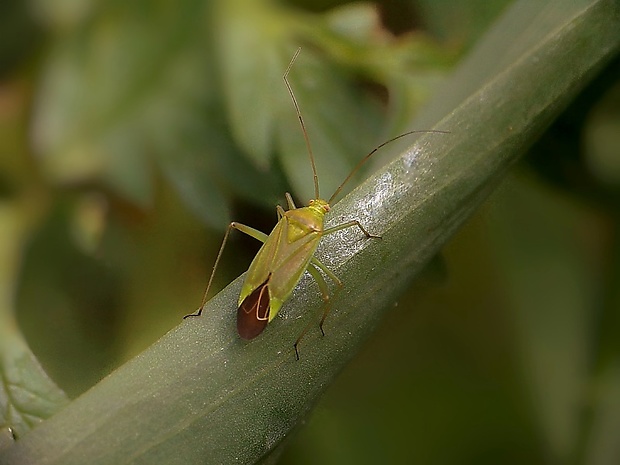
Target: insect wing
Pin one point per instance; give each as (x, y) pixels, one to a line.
(263, 264)
(253, 313)
(284, 261)
(292, 262)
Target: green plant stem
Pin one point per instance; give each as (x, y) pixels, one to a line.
(201, 395)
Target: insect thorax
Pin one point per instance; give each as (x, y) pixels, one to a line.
(306, 220)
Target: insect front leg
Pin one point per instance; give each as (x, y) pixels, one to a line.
(350, 224)
(255, 233)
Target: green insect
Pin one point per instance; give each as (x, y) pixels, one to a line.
(288, 251)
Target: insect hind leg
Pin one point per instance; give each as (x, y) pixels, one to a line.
(317, 264)
(313, 269)
(255, 233)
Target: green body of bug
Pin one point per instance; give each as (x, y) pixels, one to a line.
(279, 265)
(287, 252)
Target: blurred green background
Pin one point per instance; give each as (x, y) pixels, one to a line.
(132, 132)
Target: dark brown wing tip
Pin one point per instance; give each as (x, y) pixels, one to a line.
(253, 313)
(248, 328)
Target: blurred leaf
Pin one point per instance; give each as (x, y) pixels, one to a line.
(129, 86)
(463, 21)
(201, 160)
(105, 82)
(186, 136)
(601, 446)
(27, 395)
(602, 442)
(602, 139)
(201, 395)
(66, 289)
(62, 15)
(259, 107)
(358, 21)
(409, 68)
(249, 39)
(552, 284)
(19, 35)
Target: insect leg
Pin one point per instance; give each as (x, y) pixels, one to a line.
(314, 267)
(350, 224)
(290, 202)
(327, 271)
(314, 272)
(255, 233)
(335, 279)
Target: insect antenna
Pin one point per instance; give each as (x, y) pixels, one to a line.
(301, 122)
(367, 157)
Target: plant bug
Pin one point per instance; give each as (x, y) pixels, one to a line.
(289, 250)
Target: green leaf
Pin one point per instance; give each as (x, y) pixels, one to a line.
(27, 395)
(107, 83)
(602, 139)
(260, 112)
(461, 21)
(551, 283)
(201, 395)
(251, 57)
